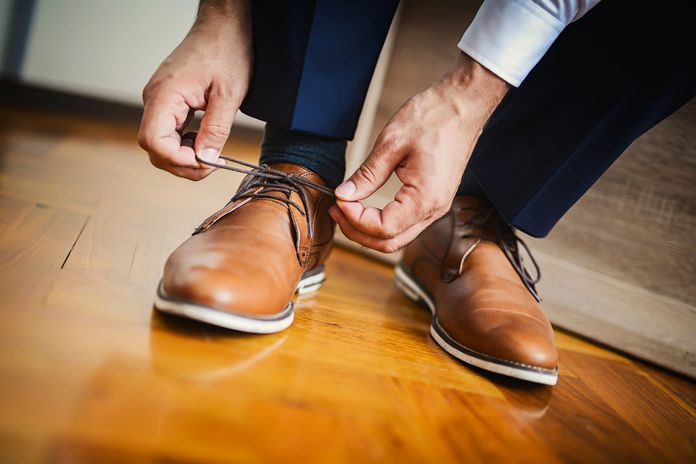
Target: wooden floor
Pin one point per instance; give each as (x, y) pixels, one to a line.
(88, 372)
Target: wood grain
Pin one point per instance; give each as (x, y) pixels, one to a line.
(88, 372)
(33, 253)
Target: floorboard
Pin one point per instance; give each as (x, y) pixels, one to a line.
(88, 372)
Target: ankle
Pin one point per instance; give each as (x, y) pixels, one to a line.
(322, 155)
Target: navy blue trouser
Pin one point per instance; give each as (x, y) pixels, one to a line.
(608, 78)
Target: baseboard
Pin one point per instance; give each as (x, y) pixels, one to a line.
(632, 319)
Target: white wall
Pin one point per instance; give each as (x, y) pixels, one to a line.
(103, 48)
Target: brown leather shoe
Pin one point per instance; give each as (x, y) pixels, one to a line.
(242, 266)
(467, 269)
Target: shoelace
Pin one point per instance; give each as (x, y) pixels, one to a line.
(271, 181)
(509, 243)
(274, 181)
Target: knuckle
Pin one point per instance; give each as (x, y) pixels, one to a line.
(155, 162)
(367, 172)
(144, 142)
(436, 208)
(387, 138)
(147, 91)
(223, 89)
(217, 130)
(389, 231)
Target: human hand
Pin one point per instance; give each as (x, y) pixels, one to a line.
(210, 70)
(427, 143)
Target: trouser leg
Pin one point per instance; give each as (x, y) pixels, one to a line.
(608, 78)
(313, 62)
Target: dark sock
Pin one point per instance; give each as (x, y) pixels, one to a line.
(324, 156)
(469, 186)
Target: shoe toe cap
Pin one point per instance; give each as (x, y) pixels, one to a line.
(528, 343)
(519, 340)
(246, 290)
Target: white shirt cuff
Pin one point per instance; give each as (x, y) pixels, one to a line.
(509, 37)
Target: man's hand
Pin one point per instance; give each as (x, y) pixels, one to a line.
(210, 71)
(427, 143)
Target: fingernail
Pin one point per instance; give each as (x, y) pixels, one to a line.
(209, 154)
(346, 189)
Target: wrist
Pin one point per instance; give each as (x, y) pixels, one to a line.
(213, 14)
(213, 9)
(474, 86)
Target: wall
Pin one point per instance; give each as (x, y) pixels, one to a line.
(102, 48)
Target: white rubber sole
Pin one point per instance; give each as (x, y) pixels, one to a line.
(535, 374)
(259, 325)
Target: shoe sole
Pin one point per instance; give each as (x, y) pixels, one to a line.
(309, 283)
(417, 293)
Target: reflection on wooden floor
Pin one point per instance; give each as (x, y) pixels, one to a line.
(89, 373)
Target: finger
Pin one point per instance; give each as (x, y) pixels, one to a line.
(180, 128)
(384, 245)
(194, 174)
(407, 209)
(216, 123)
(374, 171)
(158, 134)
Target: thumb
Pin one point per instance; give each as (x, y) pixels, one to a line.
(215, 126)
(372, 173)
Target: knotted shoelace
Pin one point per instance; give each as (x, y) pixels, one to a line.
(271, 181)
(509, 243)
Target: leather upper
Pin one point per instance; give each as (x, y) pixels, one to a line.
(248, 257)
(481, 301)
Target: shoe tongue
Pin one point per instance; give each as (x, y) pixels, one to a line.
(299, 219)
(298, 171)
(464, 238)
